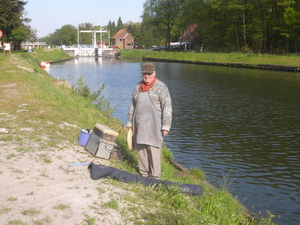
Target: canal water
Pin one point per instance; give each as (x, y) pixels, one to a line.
(240, 126)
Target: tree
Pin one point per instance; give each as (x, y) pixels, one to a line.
(193, 14)
(12, 21)
(164, 14)
(68, 34)
(19, 35)
(146, 35)
(131, 27)
(120, 25)
(86, 38)
(111, 27)
(291, 28)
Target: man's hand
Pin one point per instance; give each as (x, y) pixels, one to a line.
(164, 133)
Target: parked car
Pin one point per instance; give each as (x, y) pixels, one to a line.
(158, 48)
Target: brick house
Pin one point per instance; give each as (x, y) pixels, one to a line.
(187, 40)
(124, 39)
(189, 36)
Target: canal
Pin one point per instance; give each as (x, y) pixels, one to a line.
(240, 126)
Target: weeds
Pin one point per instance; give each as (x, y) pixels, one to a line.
(44, 173)
(46, 159)
(17, 171)
(23, 149)
(96, 97)
(61, 207)
(113, 204)
(12, 199)
(5, 210)
(31, 212)
(43, 221)
(100, 190)
(9, 156)
(16, 222)
(90, 220)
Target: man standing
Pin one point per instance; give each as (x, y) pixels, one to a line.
(149, 117)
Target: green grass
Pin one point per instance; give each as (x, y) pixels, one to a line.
(12, 199)
(31, 212)
(61, 207)
(5, 210)
(113, 204)
(51, 55)
(252, 59)
(16, 222)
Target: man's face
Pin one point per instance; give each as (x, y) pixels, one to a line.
(148, 77)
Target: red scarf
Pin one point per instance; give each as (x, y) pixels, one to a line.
(144, 87)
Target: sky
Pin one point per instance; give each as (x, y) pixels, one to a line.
(48, 15)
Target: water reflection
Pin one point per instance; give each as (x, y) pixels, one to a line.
(238, 124)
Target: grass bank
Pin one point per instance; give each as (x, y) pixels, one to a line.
(252, 59)
(44, 120)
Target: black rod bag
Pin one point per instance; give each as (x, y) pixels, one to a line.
(101, 171)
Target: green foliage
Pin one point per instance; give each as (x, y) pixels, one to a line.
(4, 210)
(96, 97)
(163, 15)
(16, 222)
(252, 26)
(66, 35)
(12, 22)
(61, 207)
(224, 26)
(20, 34)
(120, 24)
(31, 212)
(90, 220)
(112, 28)
(113, 204)
(167, 154)
(173, 207)
(198, 174)
(85, 38)
(132, 27)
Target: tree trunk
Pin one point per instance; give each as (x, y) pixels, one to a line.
(237, 36)
(244, 27)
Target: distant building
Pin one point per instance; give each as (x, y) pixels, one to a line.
(189, 34)
(123, 39)
(26, 45)
(186, 40)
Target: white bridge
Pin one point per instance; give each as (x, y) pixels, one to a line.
(94, 50)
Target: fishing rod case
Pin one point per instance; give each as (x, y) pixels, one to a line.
(100, 171)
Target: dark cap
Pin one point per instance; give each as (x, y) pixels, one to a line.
(148, 68)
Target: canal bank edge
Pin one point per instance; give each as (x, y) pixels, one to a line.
(239, 65)
(183, 171)
(59, 157)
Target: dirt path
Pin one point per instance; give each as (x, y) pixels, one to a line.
(37, 185)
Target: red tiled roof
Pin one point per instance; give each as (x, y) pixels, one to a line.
(118, 33)
(190, 31)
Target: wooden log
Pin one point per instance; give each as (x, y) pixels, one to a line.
(178, 165)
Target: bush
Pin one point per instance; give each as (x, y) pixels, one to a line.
(96, 97)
